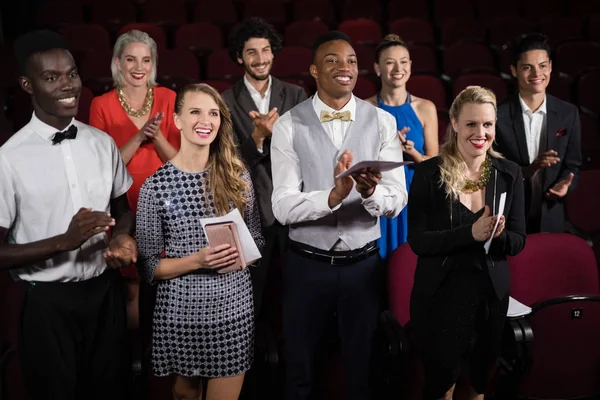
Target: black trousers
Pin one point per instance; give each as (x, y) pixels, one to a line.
(73, 340)
(462, 322)
(313, 292)
(276, 244)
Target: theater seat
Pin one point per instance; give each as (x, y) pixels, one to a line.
(430, 88)
(96, 73)
(443, 122)
(177, 68)
(364, 88)
(577, 57)
(304, 33)
(557, 353)
(492, 82)
(463, 58)
(155, 31)
(581, 206)
(219, 86)
(85, 102)
(362, 31)
(406, 366)
(292, 62)
(220, 66)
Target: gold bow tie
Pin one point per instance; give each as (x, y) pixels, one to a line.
(326, 116)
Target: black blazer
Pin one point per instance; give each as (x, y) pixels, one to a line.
(434, 233)
(563, 136)
(284, 96)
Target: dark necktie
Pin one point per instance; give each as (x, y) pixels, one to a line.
(70, 133)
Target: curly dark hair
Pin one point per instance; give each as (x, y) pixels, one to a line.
(253, 28)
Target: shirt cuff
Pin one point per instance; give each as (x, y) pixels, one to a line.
(321, 201)
(373, 203)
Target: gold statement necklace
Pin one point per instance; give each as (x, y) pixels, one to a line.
(148, 101)
(486, 169)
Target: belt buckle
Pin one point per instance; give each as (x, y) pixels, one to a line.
(337, 260)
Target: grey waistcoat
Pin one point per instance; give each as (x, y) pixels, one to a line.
(318, 156)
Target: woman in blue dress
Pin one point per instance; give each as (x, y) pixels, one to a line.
(417, 124)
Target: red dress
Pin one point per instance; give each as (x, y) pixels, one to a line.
(107, 114)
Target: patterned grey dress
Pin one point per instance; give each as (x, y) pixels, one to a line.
(203, 322)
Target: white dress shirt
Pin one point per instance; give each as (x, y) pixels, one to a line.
(262, 102)
(291, 205)
(42, 186)
(535, 127)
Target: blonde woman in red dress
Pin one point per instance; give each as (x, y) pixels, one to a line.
(138, 115)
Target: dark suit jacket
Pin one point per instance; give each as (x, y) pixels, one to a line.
(563, 136)
(435, 234)
(284, 96)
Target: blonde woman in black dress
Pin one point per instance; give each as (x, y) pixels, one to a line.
(460, 295)
(203, 320)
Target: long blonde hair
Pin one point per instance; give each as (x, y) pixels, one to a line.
(225, 180)
(453, 167)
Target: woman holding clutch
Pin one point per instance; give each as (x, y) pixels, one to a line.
(460, 294)
(203, 319)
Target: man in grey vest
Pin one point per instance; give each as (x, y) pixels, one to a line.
(333, 268)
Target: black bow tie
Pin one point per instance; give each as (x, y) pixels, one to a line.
(70, 133)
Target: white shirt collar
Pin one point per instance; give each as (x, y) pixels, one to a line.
(319, 106)
(44, 130)
(255, 92)
(526, 109)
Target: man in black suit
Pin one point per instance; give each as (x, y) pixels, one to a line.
(256, 101)
(542, 134)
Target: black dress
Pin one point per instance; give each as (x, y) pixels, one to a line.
(462, 320)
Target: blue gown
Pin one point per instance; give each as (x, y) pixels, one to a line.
(395, 230)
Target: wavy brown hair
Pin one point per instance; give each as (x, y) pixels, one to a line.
(453, 167)
(225, 167)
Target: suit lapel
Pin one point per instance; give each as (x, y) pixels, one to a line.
(551, 123)
(244, 99)
(551, 128)
(519, 129)
(277, 95)
(495, 187)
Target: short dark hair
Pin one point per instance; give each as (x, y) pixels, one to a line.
(328, 37)
(528, 42)
(253, 28)
(36, 42)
